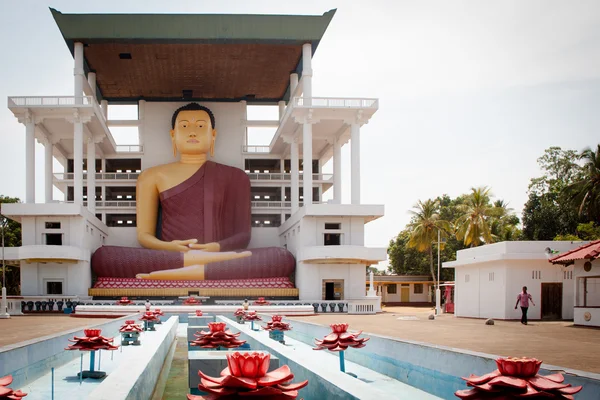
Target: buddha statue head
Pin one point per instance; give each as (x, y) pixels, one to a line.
(193, 130)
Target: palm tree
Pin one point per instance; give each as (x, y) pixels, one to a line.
(585, 193)
(424, 227)
(473, 226)
(503, 222)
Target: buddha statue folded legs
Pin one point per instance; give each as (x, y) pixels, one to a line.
(193, 217)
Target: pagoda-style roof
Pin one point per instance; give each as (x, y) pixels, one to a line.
(204, 57)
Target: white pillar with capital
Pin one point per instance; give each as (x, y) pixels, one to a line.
(78, 72)
(355, 162)
(307, 155)
(337, 171)
(295, 172)
(48, 169)
(29, 158)
(91, 175)
(307, 74)
(77, 160)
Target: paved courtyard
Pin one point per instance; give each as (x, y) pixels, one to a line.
(21, 328)
(556, 343)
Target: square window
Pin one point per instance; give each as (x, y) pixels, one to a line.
(418, 288)
(392, 289)
(53, 239)
(54, 287)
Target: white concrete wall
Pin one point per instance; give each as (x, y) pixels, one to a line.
(264, 237)
(593, 295)
(413, 297)
(466, 292)
(76, 278)
(121, 236)
(157, 140)
(309, 279)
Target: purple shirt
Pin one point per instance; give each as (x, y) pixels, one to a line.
(524, 299)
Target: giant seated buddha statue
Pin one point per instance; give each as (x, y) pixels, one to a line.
(193, 217)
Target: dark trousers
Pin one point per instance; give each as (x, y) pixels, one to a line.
(524, 316)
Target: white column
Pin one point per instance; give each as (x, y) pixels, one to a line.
(78, 73)
(282, 171)
(48, 170)
(91, 175)
(78, 161)
(355, 162)
(281, 105)
(307, 162)
(92, 82)
(294, 170)
(337, 171)
(104, 107)
(307, 75)
(293, 85)
(29, 159)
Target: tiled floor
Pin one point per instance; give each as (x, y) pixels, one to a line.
(556, 343)
(21, 328)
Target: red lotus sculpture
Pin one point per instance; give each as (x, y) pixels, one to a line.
(130, 326)
(516, 378)
(217, 337)
(191, 301)
(123, 301)
(261, 302)
(8, 393)
(275, 324)
(92, 341)
(198, 313)
(252, 316)
(149, 316)
(340, 339)
(239, 312)
(246, 375)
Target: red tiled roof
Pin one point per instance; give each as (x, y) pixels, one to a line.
(589, 251)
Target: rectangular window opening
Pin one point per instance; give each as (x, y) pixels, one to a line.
(53, 239)
(54, 287)
(52, 225)
(332, 226)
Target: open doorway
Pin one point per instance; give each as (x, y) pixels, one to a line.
(551, 304)
(333, 289)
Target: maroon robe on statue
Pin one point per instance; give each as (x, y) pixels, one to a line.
(213, 205)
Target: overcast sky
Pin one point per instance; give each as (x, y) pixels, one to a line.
(471, 92)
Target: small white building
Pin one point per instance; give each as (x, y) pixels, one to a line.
(489, 278)
(586, 274)
(404, 289)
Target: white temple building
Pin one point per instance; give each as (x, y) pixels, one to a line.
(99, 178)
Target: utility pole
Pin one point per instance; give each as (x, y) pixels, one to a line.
(4, 305)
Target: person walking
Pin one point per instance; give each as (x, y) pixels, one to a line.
(148, 305)
(524, 298)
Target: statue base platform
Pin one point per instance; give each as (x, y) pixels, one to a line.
(234, 288)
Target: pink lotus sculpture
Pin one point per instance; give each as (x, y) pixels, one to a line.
(246, 375)
(261, 302)
(158, 312)
(8, 393)
(92, 341)
(149, 316)
(340, 339)
(130, 326)
(217, 337)
(252, 316)
(123, 301)
(191, 301)
(275, 324)
(198, 313)
(516, 378)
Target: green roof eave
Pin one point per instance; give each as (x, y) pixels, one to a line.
(193, 27)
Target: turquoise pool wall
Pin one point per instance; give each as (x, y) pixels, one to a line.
(434, 369)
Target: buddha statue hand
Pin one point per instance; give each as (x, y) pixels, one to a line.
(180, 245)
(210, 247)
(194, 261)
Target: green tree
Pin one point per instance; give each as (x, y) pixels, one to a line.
(424, 228)
(12, 238)
(473, 226)
(548, 211)
(504, 224)
(584, 192)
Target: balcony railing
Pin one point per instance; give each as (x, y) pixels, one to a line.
(328, 102)
(100, 176)
(50, 101)
(277, 204)
(256, 149)
(130, 148)
(110, 203)
(274, 176)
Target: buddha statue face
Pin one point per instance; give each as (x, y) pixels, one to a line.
(193, 132)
